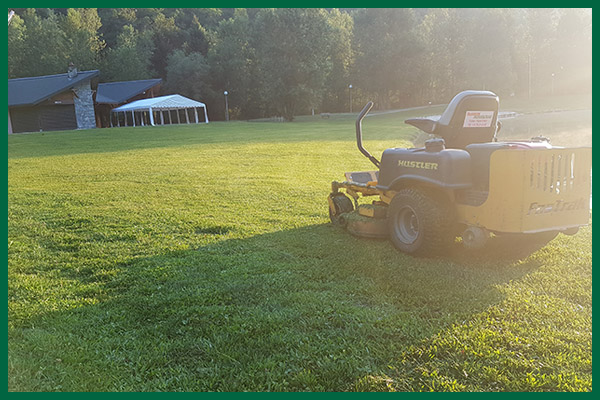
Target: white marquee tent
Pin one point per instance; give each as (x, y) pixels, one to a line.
(173, 109)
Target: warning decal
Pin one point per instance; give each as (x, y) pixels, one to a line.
(478, 119)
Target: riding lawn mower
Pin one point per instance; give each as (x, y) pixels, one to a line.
(465, 183)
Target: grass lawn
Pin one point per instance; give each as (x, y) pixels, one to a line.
(200, 257)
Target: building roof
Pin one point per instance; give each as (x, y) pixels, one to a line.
(120, 92)
(34, 90)
(173, 101)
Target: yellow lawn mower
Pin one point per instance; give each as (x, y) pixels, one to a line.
(464, 182)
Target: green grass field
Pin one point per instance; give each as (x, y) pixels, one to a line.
(200, 257)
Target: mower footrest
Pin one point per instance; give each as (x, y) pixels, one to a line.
(362, 177)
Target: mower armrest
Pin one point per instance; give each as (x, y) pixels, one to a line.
(424, 124)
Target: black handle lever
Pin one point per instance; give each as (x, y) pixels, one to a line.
(364, 151)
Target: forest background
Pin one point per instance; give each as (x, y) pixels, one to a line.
(294, 61)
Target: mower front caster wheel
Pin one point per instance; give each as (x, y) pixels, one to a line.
(339, 204)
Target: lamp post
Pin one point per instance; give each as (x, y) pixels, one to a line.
(350, 90)
(226, 106)
(552, 87)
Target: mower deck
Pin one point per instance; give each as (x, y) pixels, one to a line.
(365, 220)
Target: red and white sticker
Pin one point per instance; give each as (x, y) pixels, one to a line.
(478, 119)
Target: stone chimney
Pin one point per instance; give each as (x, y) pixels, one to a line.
(71, 71)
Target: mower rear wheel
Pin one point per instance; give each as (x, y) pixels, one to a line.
(420, 223)
(339, 204)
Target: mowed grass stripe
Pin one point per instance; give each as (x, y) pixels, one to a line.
(200, 258)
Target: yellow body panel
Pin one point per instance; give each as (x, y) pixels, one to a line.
(533, 190)
(366, 212)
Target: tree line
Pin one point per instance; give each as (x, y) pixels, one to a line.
(293, 61)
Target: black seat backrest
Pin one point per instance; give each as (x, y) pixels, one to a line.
(471, 117)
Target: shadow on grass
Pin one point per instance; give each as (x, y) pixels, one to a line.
(311, 308)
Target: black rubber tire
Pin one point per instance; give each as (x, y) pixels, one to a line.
(420, 223)
(341, 205)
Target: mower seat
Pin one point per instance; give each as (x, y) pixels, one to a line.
(471, 117)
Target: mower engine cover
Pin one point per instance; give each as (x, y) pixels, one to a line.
(447, 168)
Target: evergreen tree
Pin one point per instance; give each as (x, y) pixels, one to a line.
(445, 39)
(336, 97)
(188, 75)
(388, 55)
(84, 46)
(44, 44)
(292, 55)
(130, 59)
(15, 47)
(572, 72)
(232, 60)
(489, 51)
